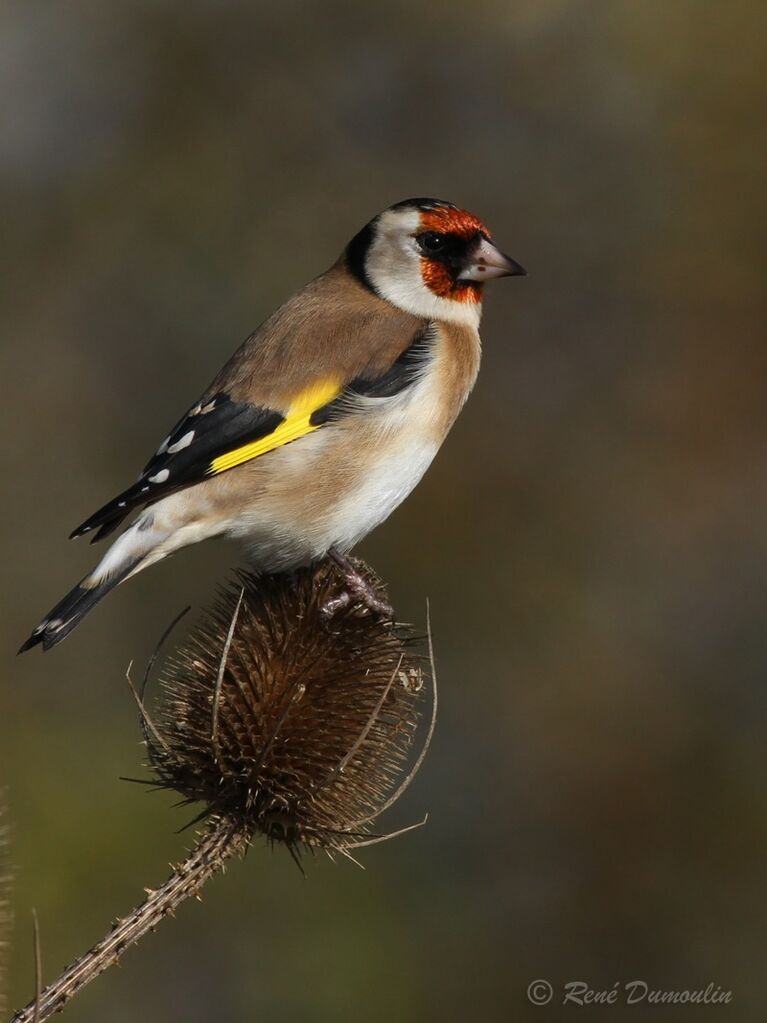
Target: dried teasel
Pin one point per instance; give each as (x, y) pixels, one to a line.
(289, 712)
(285, 721)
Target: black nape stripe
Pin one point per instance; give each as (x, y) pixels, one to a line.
(356, 254)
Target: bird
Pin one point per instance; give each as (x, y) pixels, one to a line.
(324, 419)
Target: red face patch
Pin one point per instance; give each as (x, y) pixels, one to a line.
(436, 274)
(439, 280)
(449, 221)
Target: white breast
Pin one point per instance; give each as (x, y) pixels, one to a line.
(388, 483)
(408, 444)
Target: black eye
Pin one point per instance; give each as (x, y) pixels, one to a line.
(431, 241)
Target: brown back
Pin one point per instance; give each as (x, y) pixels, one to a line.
(333, 327)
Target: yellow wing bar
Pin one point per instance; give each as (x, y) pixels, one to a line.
(295, 424)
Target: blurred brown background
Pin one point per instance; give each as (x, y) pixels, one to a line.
(592, 537)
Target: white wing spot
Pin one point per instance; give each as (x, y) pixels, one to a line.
(164, 446)
(159, 477)
(184, 442)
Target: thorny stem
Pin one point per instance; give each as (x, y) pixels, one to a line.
(208, 857)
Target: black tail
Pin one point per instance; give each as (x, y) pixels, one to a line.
(70, 611)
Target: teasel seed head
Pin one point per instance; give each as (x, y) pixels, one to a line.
(285, 721)
(290, 712)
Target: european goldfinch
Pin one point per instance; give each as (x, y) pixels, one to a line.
(324, 420)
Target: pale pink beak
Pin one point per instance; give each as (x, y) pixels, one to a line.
(486, 261)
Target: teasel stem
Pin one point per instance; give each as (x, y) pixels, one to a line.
(220, 842)
(5, 903)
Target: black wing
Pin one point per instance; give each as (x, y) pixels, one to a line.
(220, 426)
(205, 432)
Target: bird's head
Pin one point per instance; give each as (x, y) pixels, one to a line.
(429, 258)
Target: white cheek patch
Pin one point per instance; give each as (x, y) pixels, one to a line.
(394, 266)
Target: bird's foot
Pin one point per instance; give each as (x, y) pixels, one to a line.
(358, 590)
